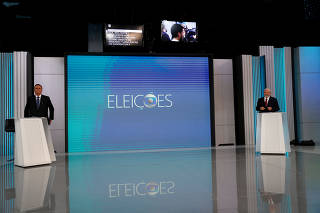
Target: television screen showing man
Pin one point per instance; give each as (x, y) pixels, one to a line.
(175, 31)
(38, 105)
(267, 103)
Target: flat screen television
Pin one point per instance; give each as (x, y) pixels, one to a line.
(123, 35)
(176, 31)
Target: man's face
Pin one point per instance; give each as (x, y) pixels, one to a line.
(267, 93)
(38, 90)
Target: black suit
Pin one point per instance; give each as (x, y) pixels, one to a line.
(271, 103)
(45, 103)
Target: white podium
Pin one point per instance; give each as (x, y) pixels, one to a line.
(272, 136)
(33, 143)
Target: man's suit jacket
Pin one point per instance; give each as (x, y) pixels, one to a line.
(271, 103)
(45, 103)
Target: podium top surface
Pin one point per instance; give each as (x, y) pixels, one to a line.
(262, 114)
(272, 113)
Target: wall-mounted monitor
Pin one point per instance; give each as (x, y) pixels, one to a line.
(123, 35)
(137, 102)
(176, 31)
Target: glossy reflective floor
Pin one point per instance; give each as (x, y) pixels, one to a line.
(224, 179)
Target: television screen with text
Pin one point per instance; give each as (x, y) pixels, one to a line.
(123, 35)
(137, 102)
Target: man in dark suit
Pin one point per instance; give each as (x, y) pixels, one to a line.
(38, 105)
(267, 103)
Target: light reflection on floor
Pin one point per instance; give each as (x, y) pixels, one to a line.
(183, 180)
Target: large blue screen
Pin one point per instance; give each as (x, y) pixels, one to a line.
(137, 102)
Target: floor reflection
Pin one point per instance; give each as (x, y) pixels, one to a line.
(33, 187)
(142, 182)
(206, 180)
(273, 181)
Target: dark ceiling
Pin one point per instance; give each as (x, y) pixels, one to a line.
(226, 28)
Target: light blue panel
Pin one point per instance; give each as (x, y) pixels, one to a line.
(6, 139)
(307, 87)
(309, 84)
(310, 99)
(6, 103)
(279, 78)
(258, 83)
(309, 59)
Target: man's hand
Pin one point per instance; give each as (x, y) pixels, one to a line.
(269, 108)
(262, 108)
(50, 121)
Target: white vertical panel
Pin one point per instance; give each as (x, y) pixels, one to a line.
(224, 101)
(248, 99)
(49, 72)
(48, 66)
(15, 82)
(20, 83)
(289, 92)
(268, 52)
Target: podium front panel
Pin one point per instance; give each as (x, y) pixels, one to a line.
(31, 146)
(272, 133)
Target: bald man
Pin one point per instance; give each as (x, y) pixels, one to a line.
(267, 103)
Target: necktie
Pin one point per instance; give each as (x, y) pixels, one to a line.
(266, 102)
(38, 102)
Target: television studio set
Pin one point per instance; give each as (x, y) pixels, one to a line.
(115, 107)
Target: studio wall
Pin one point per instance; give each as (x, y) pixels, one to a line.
(279, 80)
(224, 101)
(15, 67)
(307, 99)
(272, 69)
(95, 39)
(49, 72)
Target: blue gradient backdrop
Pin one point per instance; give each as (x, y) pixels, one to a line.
(92, 126)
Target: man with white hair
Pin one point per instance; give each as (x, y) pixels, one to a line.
(267, 103)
